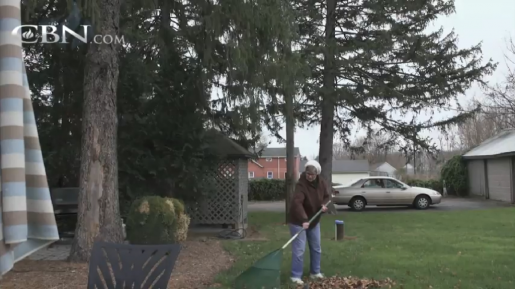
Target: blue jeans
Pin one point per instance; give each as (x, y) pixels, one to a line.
(298, 246)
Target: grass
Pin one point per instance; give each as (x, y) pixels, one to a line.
(463, 249)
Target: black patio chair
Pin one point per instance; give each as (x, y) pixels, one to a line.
(121, 266)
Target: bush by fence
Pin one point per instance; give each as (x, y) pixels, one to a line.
(267, 190)
(436, 185)
(156, 220)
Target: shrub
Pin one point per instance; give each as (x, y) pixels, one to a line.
(455, 174)
(267, 190)
(157, 220)
(430, 184)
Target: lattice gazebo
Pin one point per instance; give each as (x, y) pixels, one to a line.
(226, 203)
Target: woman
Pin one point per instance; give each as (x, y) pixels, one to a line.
(311, 195)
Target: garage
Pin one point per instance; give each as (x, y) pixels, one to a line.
(477, 178)
(347, 178)
(346, 171)
(491, 168)
(499, 180)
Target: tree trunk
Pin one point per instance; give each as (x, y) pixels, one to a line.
(99, 211)
(166, 41)
(290, 149)
(327, 124)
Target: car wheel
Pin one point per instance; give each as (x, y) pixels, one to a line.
(357, 204)
(422, 202)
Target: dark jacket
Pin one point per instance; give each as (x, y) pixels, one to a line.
(307, 200)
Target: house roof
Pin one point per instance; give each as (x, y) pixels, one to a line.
(277, 152)
(350, 166)
(376, 165)
(499, 145)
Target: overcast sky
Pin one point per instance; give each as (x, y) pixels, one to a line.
(491, 22)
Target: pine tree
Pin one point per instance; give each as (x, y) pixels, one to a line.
(376, 59)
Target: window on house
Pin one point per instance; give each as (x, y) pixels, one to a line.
(285, 175)
(251, 175)
(269, 175)
(268, 159)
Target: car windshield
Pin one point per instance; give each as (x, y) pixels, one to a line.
(403, 184)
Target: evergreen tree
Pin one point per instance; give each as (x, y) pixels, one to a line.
(375, 59)
(168, 67)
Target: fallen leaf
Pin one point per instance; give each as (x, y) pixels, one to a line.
(337, 282)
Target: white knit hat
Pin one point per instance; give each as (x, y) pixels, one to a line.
(315, 164)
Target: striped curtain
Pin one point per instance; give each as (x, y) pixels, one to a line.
(27, 221)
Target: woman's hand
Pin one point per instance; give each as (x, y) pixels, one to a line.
(324, 209)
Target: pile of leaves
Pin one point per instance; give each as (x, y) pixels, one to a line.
(337, 282)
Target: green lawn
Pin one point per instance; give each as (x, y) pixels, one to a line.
(462, 249)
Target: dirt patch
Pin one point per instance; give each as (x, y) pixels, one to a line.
(198, 263)
(46, 275)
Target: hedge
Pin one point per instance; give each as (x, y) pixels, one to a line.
(436, 185)
(274, 190)
(267, 190)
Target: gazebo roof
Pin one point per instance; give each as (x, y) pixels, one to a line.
(226, 147)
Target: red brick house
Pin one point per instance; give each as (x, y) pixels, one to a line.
(272, 164)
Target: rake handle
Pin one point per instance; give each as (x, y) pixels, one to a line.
(299, 232)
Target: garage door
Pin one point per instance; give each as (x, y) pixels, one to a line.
(347, 178)
(499, 179)
(477, 178)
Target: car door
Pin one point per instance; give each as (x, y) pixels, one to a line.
(373, 190)
(397, 194)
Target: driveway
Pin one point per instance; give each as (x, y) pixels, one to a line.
(448, 204)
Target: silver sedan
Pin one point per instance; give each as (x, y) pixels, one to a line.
(383, 191)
